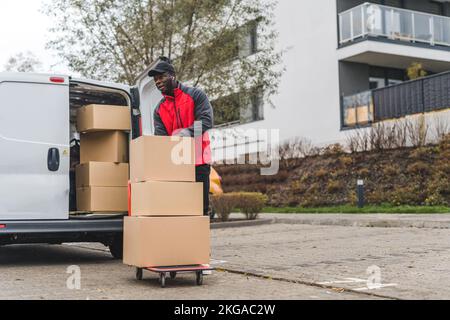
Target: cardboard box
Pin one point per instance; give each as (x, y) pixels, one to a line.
(102, 174)
(162, 159)
(102, 199)
(108, 146)
(95, 117)
(155, 198)
(166, 241)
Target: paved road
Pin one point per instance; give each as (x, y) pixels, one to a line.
(39, 272)
(276, 261)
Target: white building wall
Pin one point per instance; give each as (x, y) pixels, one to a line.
(308, 102)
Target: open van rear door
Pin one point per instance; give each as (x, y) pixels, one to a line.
(34, 144)
(146, 97)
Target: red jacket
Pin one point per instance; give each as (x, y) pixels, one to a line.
(176, 116)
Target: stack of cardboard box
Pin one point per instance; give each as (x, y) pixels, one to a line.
(166, 226)
(103, 174)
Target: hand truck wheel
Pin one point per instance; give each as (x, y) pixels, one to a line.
(162, 279)
(199, 278)
(139, 274)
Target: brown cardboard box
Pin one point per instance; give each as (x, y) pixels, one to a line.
(166, 241)
(108, 146)
(151, 159)
(102, 199)
(95, 117)
(155, 198)
(102, 174)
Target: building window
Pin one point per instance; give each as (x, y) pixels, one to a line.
(376, 83)
(252, 108)
(226, 110)
(248, 42)
(358, 109)
(238, 109)
(383, 77)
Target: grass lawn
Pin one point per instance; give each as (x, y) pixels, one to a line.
(367, 209)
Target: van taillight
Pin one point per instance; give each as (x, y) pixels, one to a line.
(57, 79)
(2, 226)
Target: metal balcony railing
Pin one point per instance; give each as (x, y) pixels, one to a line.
(412, 97)
(392, 23)
(418, 96)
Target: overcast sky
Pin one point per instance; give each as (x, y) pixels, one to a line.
(24, 28)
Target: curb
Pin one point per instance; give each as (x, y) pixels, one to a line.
(240, 224)
(343, 222)
(367, 223)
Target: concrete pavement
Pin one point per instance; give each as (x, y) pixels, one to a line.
(284, 260)
(39, 272)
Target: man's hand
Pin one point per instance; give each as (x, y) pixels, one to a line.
(184, 133)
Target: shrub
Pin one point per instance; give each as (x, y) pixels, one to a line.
(345, 161)
(443, 167)
(293, 150)
(418, 168)
(352, 198)
(224, 205)
(378, 197)
(391, 170)
(418, 131)
(422, 153)
(444, 143)
(410, 195)
(339, 173)
(334, 186)
(438, 190)
(363, 172)
(435, 200)
(334, 149)
(250, 203)
(298, 187)
(312, 201)
(321, 173)
(304, 178)
(314, 188)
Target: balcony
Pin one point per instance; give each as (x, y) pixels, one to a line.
(412, 97)
(377, 21)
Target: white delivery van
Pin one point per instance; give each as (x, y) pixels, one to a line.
(37, 133)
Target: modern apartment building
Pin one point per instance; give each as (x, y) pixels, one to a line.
(346, 63)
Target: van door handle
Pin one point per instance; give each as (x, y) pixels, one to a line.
(53, 159)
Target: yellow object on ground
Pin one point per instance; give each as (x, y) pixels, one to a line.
(215, 182)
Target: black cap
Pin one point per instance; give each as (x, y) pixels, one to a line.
(164, 65)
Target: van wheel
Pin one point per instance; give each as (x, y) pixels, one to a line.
(116, 247)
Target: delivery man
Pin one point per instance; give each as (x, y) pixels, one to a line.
(176, 113)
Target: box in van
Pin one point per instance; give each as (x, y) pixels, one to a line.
(107, 146)
(102, 174)
(96, 117)
(102, 199)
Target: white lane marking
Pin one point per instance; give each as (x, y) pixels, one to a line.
(346, 280)
(378, 286)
